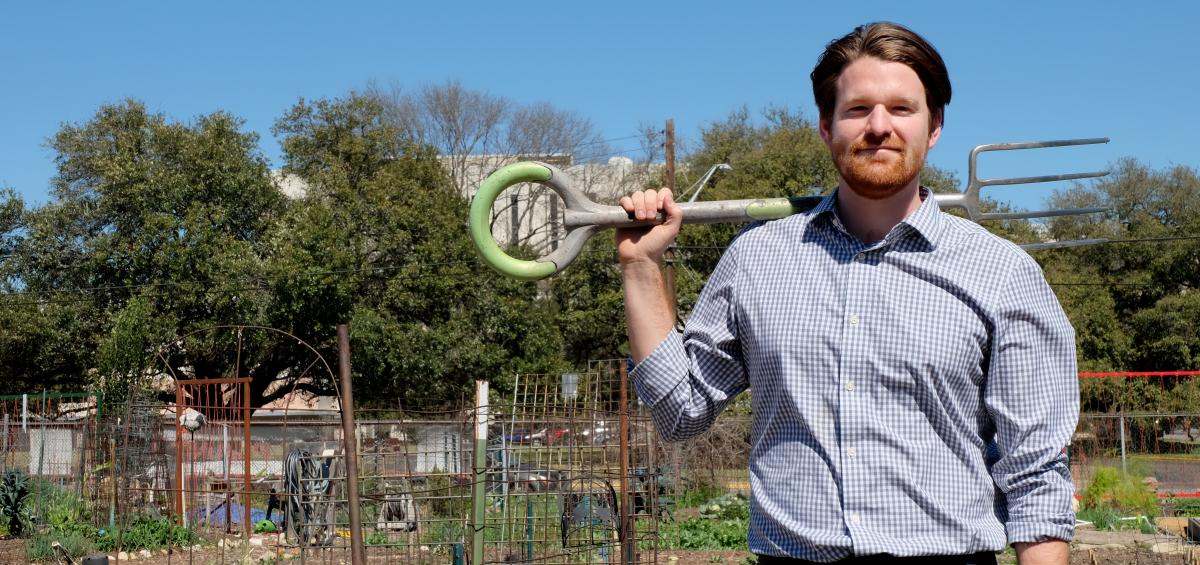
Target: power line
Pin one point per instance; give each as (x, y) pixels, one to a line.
(234, 290)
(185, 283)
(603, 141)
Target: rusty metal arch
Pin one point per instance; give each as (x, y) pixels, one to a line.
(229, 386)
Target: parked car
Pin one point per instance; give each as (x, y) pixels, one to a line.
(506, 466)
(599, 434)
(519, 435)
(551, 435)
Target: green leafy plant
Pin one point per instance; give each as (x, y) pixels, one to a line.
(702, 533)
(1103, 518)
(1124, 492)
(1185, 506)
(147, 533)
(14, 490)
(377, 538)
(731, 506)
(41, 546)
(66, 512)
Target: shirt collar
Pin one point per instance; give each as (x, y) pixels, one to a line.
(926, 221)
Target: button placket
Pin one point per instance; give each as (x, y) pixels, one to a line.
(855, 414)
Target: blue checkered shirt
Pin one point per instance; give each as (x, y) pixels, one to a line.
(911, 397)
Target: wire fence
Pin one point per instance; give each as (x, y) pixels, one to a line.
(570, 471)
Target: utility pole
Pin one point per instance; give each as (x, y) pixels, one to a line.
(669, 256)
(358, 555)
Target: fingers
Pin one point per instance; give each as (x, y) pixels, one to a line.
(645, 204)
(667, 204)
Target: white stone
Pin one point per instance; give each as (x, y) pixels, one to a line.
(256, 542)
(145, 554)
(123, 556)
(1168, 547)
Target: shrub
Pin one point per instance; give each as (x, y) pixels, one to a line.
(1123, 492)
(14, 490)
(66, 512)
(41, 546)
(700, 533)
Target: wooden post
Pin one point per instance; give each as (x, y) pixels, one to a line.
(479, 487)
(669, 255)
(358, 554)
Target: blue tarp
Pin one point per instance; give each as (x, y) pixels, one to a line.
(235, 515)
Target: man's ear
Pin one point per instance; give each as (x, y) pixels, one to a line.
(935, 131)
(823, 127)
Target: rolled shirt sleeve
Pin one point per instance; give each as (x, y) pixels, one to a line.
(1032, 395)
(690, 378)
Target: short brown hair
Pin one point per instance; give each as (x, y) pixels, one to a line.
(889, 42)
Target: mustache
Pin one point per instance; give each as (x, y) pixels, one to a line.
(862, 145)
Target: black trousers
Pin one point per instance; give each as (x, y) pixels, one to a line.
(981, 558)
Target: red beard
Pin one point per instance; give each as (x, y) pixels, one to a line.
(881, 174)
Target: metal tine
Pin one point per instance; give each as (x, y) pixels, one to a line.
(1062, 244)
(969, 199)
(1040, 214)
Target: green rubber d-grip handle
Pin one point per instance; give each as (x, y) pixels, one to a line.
(480, 220)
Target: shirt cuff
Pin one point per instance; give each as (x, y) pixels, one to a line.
(662, 371)
(1019, 532)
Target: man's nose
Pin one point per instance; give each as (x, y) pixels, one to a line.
(879, 122)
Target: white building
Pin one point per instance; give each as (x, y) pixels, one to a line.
(527, 214)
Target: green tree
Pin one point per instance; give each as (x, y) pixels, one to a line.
(383, 220)
(1132, 301)
(154, 229)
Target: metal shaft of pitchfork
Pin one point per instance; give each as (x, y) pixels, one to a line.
(583, 218)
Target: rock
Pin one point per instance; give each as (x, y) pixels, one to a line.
(123, 556)
(1170, 547)
(145, 554)
(256, 541)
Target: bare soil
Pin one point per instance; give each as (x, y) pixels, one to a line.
(12, 551)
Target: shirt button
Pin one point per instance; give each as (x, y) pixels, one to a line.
(854, 319)
(855, 518)
(849, 386)
(850, 451)
(860, 257)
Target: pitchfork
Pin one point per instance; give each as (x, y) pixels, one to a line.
(583, 217)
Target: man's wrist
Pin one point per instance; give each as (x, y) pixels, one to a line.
(643, 262)
(1045, 552)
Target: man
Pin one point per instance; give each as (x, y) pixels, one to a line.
(914, 376)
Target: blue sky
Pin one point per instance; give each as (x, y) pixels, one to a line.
(1021, 70)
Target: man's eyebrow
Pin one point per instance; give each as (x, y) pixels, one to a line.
(856, 100)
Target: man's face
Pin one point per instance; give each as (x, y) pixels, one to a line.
(879, 130)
